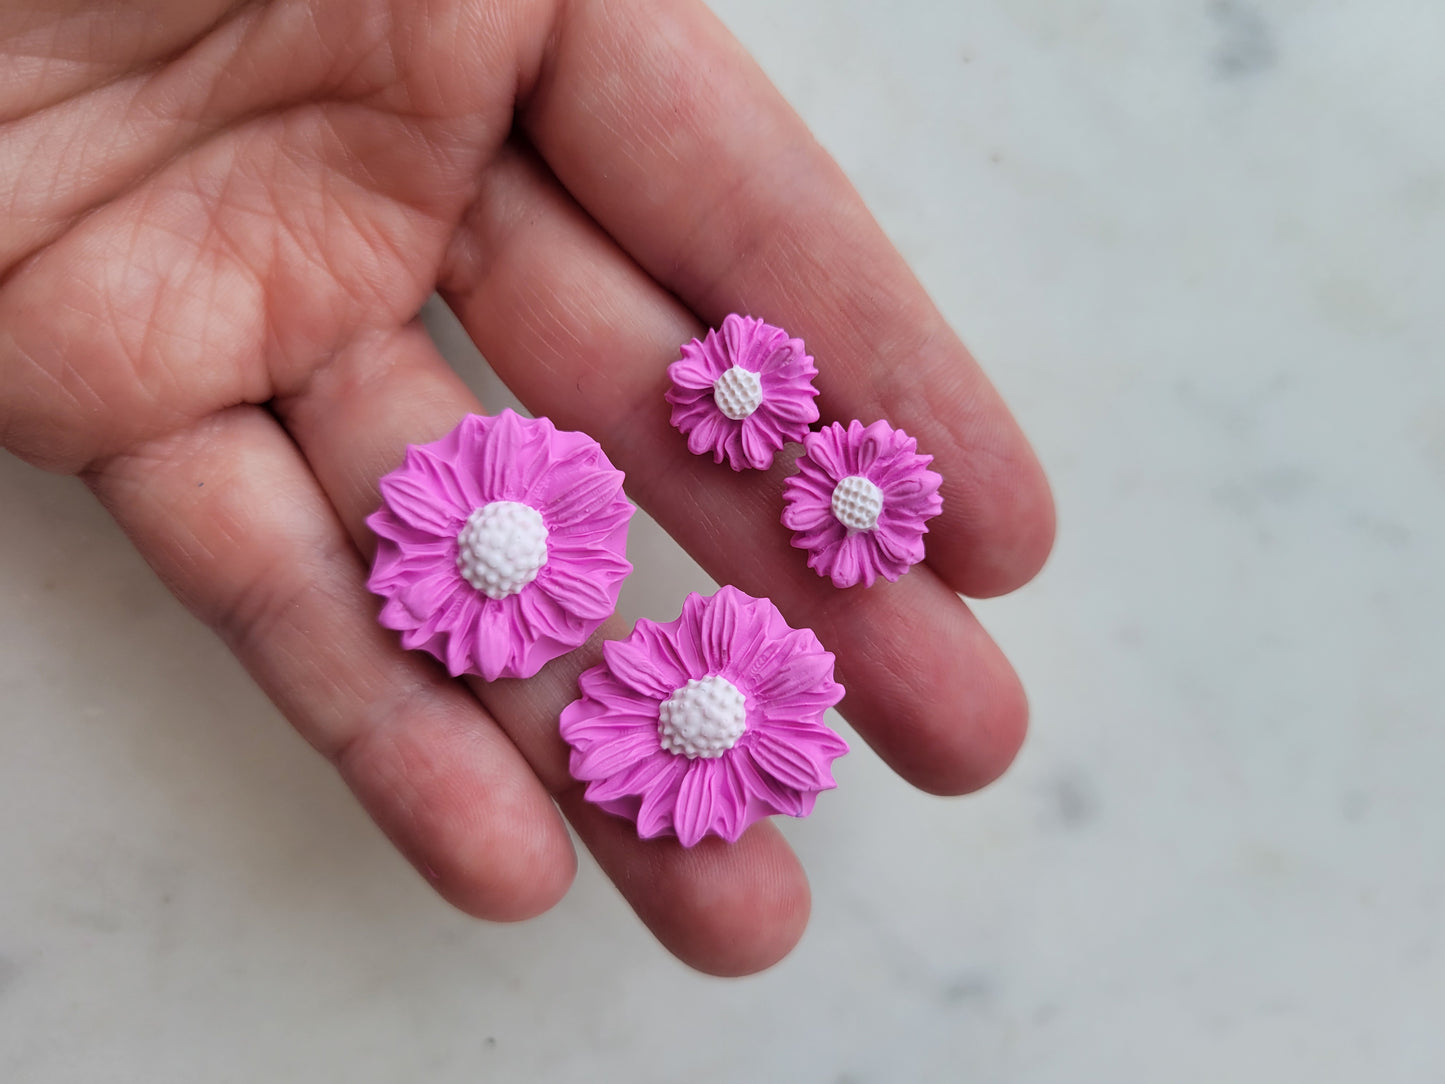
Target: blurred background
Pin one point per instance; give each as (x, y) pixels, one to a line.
(1200, 245)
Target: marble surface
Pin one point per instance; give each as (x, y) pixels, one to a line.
(1201, 245)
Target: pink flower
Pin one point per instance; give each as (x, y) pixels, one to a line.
(708, 723)
(500, 546)
(743, 393)
(860, 501)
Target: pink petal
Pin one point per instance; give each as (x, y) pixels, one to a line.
(609, 758)
(434, 594)
(654, 816)
(803, 511)
(868, 446)
(494, 448)
(717, 628)
(732, 448)
(592, 599)
(812, 478)
(709, 433)
(820, 740)
(790, 410)
(630, 663)
(853, 561)
(803, 668)
(578, 499)
(396, 566)
(694, 373)
(490, 643)
(823, 555)
(414, 499)
(706, 803)
(825, 539)
(601, 684)
(789, 765)
(595, 561)
(541, 615)
(761, 786)
(898, 547)
(682, 636)
(787, 362)
(918, 503)
(659, 772)
(710, 349)
(605, 709)
(738, 333)
(824, 448)
(542, 455)
(768, 428)
(587, 720)
(588, 536)
(757, 443)
(905, 472)
(732, 800)
(450, 487)
(672, 650)
(688, 405)
(387, 525)
(429, 614)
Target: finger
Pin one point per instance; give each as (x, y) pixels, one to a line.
(727, 909)
(583, 335)
(63, 49)
(229, 516)
(668, 885)
(662, 127)
(737, 910)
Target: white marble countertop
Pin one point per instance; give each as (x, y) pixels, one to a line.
(1201, 246)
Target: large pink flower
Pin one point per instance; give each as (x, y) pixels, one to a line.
(860, 502)
(743, 392)
(708, 723)
(501, 546)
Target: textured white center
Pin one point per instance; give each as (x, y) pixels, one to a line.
(857, 502)
(738, 392)
(704, 718)
(502, 548)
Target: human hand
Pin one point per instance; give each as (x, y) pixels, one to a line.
(220, 221)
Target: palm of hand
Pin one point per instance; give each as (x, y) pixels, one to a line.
(222, 220)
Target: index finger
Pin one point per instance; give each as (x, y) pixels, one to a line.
(663, 128)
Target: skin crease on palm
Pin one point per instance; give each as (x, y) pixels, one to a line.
(219, 222)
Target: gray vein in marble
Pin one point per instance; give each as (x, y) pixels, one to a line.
(1245, 45)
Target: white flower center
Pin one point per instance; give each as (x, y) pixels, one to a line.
(738, 392)
(502, 548)
(704, 718)
(857, 503)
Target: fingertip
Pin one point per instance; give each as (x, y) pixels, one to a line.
(753, 922)
(518, 880)
(998, 523)
(461, 805)
(1020, 538)
(725, 909)
(987, 736)
(944, 708)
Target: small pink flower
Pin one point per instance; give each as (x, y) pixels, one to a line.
(860, 501)
(708, 723)
(743, 392)
(501, 546)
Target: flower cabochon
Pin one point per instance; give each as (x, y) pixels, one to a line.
(708, 723)
(500, 546)
(742, 392)
(860, 502)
